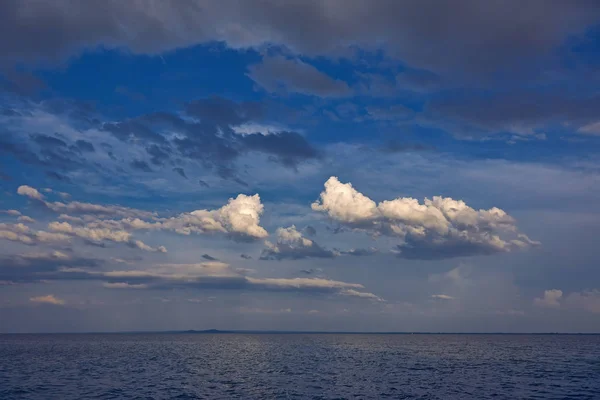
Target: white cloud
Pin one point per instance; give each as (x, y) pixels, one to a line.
(551, 299)
(437, 228)
(14, 213)
(363, 295)
(592, 129)
(442, 297)
(49, 299)
(30, 192)
(26, 219)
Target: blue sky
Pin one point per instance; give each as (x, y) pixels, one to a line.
(313, 165)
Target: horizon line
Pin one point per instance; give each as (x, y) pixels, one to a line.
(259, 331)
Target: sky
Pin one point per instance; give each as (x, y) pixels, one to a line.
(337, 165)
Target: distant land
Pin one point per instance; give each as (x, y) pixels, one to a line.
(275, 332)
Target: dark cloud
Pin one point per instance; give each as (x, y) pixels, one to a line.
(310, 231)
(140, 165)
(209, 257)
(219, 111)
(443, 36)
(180, 171)
(246, 256)
(291, 245)
(399, 147)
(396, 112)
(361, 252)
(477, 114)
(38, 267)
(85, 146)
(20, 82)
(282, 75)
(289, 148)
(206, 136)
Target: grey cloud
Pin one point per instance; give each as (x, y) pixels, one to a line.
(140, 165)
(180, 171)
(209, 257)
(361, 252)
(279, 74)
(292, 245)
(85, 146)
(205, 136)
(443, 36)
(246, 256)
(207, 275)
(41, 266)
(521, 113)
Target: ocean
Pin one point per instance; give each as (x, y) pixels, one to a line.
(299, 366)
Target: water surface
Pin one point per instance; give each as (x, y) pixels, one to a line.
(298, 366)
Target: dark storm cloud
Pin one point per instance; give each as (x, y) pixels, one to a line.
(465, 37)
(282, 75)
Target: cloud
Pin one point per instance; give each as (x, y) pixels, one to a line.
(280, 74)
(437, 228)
(49, 299)
(439, 38)
(363, 295)
(210, 275)
(201, 136)
(442, 297)
(360, 252)
(588, 300)
(292, 245)
(518, 114)
(122, 285)
(239, 219)
(22, 233)
(14, 213)
(551, 299)
(209, 257)
(30, 192)
(34, 267)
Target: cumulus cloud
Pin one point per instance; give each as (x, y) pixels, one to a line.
(437, 228)
(551, 299)
(291, 244)
(30, 192)
(22, 233)
(49, 299)
(239, 219)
